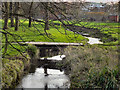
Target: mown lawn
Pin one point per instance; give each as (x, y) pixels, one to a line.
(36, 33)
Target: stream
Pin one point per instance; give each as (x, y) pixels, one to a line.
(94, 40)
(54, 79)
(46, 77)
(91, 39)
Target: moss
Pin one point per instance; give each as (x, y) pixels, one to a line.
(12, 70)
(32, 50)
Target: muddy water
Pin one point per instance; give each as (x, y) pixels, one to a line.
(45, 77)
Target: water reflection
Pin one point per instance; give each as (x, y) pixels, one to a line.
(54, 79)
(57, 58)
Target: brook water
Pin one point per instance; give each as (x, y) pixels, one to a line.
(38, 79)
(46, 74)
(91, 39)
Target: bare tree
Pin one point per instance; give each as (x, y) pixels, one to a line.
(16, 17)
(46, 16)
(119, 10)
(55, 9)
(6, 17)
(30, 14)
(11, 14)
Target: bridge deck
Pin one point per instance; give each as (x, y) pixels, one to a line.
(54, 43)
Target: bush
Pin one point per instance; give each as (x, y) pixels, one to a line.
(92, 66)
(13, 69)
(32, 50)
(10, 72)
(104, 78)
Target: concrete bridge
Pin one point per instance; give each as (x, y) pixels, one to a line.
(53, 44)
(47, 49)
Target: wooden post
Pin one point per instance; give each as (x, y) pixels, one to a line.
(42, 52)
(46, 86)
(45, 67)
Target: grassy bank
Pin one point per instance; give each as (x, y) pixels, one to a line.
(92, 66)
(13, 71)
(15, 65)
(36, 33)
(107, 32)
(13, 51)
(13, 61)
(110, 31)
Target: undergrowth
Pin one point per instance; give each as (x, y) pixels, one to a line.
(92, 66)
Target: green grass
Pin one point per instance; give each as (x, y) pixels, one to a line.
(91, 66)
(110, 29)
(107, 28)
(36, 33)
(12, 52)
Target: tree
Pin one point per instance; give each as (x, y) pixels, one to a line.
(6, 17)
(11, 14)
(46, 16)
(16, 17)
(30, 14)
(119, 10)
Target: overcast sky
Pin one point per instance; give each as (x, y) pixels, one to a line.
(103, 0)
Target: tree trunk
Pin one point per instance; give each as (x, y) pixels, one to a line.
(118, 37)
(16, 17)
(6, 15)
(46, 17)
(11, 14)
(119, 10)
(30, 20)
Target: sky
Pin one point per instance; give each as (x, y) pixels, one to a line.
(103, 1)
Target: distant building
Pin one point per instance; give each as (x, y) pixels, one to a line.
(93, 11)
(93, 6)
(113, 18)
